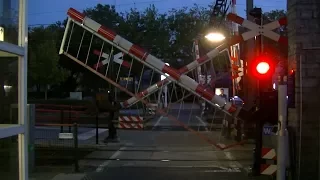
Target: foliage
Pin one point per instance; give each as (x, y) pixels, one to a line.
(275, 14)
(44, 68)
(280, 51)
(169, 36)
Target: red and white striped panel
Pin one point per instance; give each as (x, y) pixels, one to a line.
(142, 56)
(266, 29)
(106, 56)
(130, 119)
(268, 169)
(268, 153)
(126, 125)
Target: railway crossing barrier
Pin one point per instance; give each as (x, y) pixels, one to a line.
(135, 59)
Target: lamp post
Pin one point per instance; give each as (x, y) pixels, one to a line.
(165, 91)
(213, 36)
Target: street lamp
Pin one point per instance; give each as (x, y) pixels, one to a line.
(215, 37)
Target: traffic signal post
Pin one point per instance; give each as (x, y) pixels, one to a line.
(282, 152)
(263, 70)
(260, 71)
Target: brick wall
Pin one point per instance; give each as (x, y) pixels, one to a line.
(304, 33)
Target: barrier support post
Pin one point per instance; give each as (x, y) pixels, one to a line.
(75, 138)
(70, 108)
(282, 128)
(97, 128)
(61, 120)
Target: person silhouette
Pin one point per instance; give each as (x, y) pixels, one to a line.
(223, 95)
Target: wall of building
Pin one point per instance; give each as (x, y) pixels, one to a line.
(304, 33)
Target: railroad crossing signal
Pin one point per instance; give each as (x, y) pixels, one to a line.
(265, 30)
(117, 58)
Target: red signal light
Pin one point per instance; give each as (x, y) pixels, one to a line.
(291, 72)
(263, 67)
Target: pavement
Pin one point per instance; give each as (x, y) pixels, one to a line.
(164, 150)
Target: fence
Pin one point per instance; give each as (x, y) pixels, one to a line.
(55, 148)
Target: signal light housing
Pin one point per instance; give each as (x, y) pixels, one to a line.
(263, 67)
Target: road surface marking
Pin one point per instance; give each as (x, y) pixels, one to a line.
(225, 170)
(158, 122)
(106, 163)
(203, 123)
(89, 134)
(233, 162)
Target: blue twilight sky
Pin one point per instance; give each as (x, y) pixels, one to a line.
(46, 11)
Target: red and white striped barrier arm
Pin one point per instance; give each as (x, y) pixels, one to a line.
(106, 61)
(265, 30)
(156, 63)
(153, 88)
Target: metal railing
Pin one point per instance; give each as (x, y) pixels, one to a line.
(54, 147)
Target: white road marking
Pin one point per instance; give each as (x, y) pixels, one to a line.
(89, 134)
(203, 123)
(158, 122)
(233, 163)
(225, 170)
(106, 163)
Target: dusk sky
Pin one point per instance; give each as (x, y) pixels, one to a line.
(46, 12)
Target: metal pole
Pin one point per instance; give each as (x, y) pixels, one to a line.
(97, 128)
(61, 120)
(165, 89)
(70, 108)
(282, 129)
(22, 91)
(259, 123)
(75, 138)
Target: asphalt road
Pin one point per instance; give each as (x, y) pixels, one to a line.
(163, 150)
(166, 155)
(188, 115)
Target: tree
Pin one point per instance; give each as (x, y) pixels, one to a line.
(44, 68)
(275, 14)
(168, 36)
(280, 51)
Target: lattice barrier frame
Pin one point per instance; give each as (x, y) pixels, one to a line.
(177, 76)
